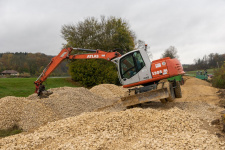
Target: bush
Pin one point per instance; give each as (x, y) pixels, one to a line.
(219, 78)
(93, 72)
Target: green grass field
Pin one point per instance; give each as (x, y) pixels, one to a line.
(23, 87)
(193, 73)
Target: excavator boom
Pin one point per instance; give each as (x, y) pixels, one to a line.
(66, 54)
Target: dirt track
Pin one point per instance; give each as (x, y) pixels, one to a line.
(182, 124)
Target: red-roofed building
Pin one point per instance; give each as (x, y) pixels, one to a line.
(10, 72)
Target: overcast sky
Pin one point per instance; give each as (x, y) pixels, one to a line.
(194, 27)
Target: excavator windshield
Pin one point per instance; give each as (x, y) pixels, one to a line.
(131, 64)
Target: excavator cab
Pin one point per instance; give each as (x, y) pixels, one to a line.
(133, 67)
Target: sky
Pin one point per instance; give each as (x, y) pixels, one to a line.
(195, 27)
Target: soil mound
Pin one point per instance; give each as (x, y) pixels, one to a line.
(109, 91)
(67, 101)
(32, 112)
(23, 113)
(131, 129)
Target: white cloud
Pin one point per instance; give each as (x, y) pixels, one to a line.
(195, 28)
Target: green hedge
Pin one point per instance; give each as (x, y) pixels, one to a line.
(93, 72)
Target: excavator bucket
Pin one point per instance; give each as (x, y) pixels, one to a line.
(45, 94)
(145, 97)
(132, 100)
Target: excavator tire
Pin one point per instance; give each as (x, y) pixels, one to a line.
(160, 86)
(177, 90)
(169, 86)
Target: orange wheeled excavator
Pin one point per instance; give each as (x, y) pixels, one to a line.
(157, 78)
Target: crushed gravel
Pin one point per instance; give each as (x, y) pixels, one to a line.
(176, 125)
(131, 129)
(32, 112)
(109, 91)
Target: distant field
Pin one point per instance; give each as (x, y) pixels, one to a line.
(193, 73)
(23, 87)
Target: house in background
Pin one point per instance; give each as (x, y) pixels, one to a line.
(10, 72)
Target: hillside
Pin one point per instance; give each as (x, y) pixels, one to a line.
(29, 63)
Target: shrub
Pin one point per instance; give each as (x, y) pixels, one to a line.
(219, 78)
(93, 72)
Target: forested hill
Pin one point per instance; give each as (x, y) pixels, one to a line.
(29, 63)
(213, 60)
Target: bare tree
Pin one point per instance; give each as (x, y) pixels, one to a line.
(170, 52)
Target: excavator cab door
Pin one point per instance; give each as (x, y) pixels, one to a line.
(133, 67)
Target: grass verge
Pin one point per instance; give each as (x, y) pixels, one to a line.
(193, 73)
(23, 87)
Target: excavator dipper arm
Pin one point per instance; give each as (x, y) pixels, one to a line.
(65, 54)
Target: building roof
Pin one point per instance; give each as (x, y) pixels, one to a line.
(9, 72)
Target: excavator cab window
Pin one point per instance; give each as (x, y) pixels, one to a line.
(131, 65)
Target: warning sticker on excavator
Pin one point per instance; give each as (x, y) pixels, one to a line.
(158, 65)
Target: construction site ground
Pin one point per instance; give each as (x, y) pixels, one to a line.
(78, 118)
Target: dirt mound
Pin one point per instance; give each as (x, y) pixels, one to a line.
(23, 113)
(10, 111)
(67, 101)
(108, 91)
(130, 129)
(32, 112)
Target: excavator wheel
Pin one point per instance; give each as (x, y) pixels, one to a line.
(169, 86)
(160, 86)
(177, 90)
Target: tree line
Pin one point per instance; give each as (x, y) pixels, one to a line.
(29, 63)
(213, 60)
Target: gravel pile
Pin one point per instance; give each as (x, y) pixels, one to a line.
(10, 111)
(32, 112)
(23, 113)
(108, 91)
(131, 129)
(67, 101)
(182, 124)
